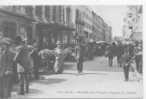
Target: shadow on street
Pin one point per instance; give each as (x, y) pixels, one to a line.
(34, 91)
(76, 74)
(50, 81)
(68, 66)
(94, 73)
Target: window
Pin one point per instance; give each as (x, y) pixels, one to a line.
(9, 29)
(38, 11)
(54, 13)
(28, 10)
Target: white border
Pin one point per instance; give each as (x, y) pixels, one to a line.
(71, 2)
(144, 47)
(86, 2)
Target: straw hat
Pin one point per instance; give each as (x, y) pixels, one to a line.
(5, 41)
(59, 43)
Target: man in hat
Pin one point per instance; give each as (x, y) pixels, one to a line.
(24, 63)
(36, 60)
(6, 67)
(125, 62)
(110, 52)
(138, 57)
(79, 55)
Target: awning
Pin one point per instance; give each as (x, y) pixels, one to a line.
(98, 42)
(55, 26)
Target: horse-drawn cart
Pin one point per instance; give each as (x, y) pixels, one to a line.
(60, 55)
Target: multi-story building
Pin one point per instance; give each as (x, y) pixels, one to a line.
(137, 27)
(101, 30)
(132, 27)
(107, 33)
(89, 24)
(50, 23)
(53, 23)
(87, 18)
(97, 27)
(47, 24)
(14, 22)
(79, 22)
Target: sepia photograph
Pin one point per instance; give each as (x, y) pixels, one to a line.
(71, 51)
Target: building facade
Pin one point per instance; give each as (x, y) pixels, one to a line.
(90, 25)
(79, 22)
(53, 23)
(108, 33)
(48, 24)
(132, 27)
(101, 30)
(97, 27)
(15, 22)
(87, 19)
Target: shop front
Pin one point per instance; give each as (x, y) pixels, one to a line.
(49, 34)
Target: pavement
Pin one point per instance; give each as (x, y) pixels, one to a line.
(97, 64)
(98, 80)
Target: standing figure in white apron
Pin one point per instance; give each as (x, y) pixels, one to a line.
(59, 59)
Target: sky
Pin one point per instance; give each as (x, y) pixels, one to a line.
(113, 16)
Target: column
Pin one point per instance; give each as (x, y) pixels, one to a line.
(34, 12)
(56, 14)
(34, 32)
(38, 12)
(51, 14)
(64, 10)
(47, 13)
(17, 29)
(62, 15)
(43, 14)
(34, 35)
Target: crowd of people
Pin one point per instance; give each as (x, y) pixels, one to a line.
(129, 56)
(20, 61)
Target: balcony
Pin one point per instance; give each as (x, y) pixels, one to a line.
(79, 21)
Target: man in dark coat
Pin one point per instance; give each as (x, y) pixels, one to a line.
(6, 68)
(36, 61)
(110, 53)
(138, 58)
(125, 60)
(120, 51)
(79, 56)
(24, 66)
